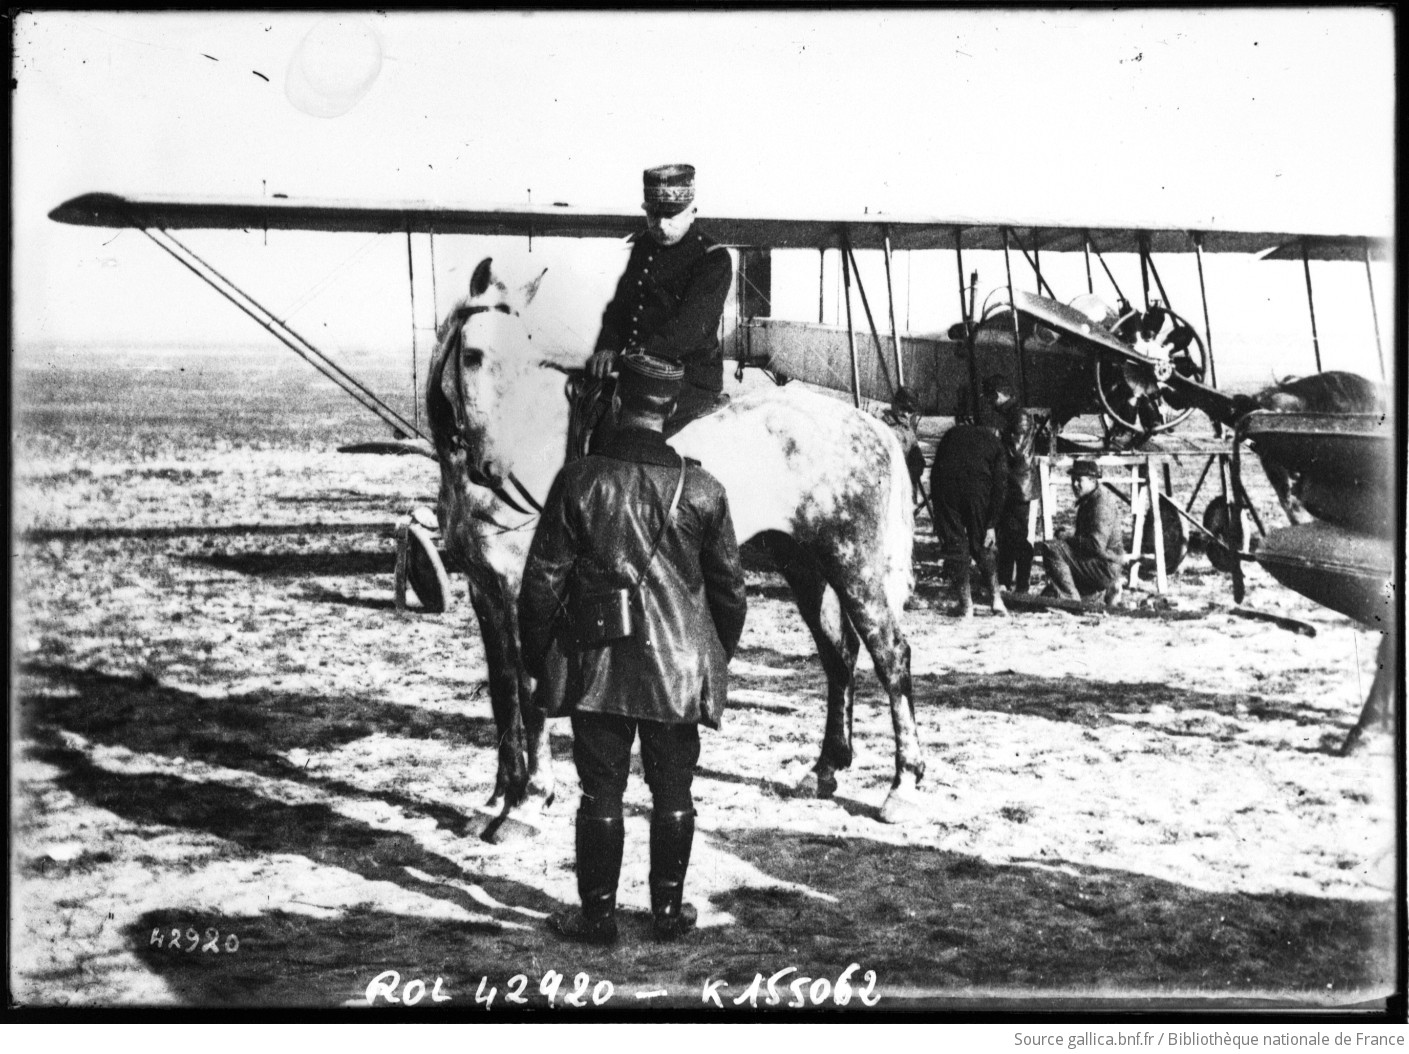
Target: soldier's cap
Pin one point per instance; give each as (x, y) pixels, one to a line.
(648, 383)
(996, 383)
(1085, 467)
(669, 189)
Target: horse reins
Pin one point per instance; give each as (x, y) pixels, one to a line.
(458, 440)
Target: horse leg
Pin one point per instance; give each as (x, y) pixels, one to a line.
(837, 646)
(524, 781)
(1379, 704)
(870, 612)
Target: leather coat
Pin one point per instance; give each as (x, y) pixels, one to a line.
(668, 303)
(598, 524)
(1019, 439)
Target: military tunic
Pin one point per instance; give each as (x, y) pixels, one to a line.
(669, 302)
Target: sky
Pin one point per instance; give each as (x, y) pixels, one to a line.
(1273, 118)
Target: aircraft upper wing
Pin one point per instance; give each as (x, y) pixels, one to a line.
(810, 232)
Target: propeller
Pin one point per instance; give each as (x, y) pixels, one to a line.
(1140, 399)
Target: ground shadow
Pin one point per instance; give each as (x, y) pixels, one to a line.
(262, 825)
(353, 563)
(252, 731)
(935, 920)
(1090, 703)
(91, 534)
(323, 595)
(939, 929)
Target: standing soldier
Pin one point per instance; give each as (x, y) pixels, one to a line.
(1018, 435)
(1090, 561)
(670, 299)
(968, 481)
(640, 525)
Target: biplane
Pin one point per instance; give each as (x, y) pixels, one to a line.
(1139, 365)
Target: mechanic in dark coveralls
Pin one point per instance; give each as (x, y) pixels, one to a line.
(671, 296)
(601, 527)
(968, 484)
(1091, 560)
(1019, 436)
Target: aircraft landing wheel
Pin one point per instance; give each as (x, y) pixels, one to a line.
(418, 564)
(1139, 399)
(1220, 522)
(1176, 541)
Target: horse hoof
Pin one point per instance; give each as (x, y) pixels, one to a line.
(902, 805)
(814, 785)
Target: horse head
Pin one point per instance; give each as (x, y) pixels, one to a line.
(475, 402)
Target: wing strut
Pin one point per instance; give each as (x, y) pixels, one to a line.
(1374, 313)
(1311, 304)
(890, 301)
(870, 320)
(1017, 334)
(1208, 326)
(281, 331)
(850, 330)
(415, 365)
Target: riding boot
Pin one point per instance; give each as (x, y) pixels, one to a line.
(963, 593)
(672, 834)
(600, 840)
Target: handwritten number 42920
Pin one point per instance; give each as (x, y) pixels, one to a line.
(191, 939)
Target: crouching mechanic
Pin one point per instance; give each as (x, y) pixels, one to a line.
(636, 517)
(1090, 561)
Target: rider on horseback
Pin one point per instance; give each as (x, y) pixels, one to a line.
(670, 299)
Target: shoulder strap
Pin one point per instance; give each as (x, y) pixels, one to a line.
(660, 535)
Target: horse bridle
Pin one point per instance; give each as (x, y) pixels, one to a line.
(478, 477)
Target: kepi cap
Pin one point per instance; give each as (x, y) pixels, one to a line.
(669, 189)
(648, 383)
(1085, 467)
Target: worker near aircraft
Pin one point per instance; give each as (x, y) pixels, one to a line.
(1091, 560)
(903, 418)
(670, 299)
(1018, 433)
(968, 484)
(648, 532)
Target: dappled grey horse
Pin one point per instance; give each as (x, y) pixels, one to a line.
(821, 485)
